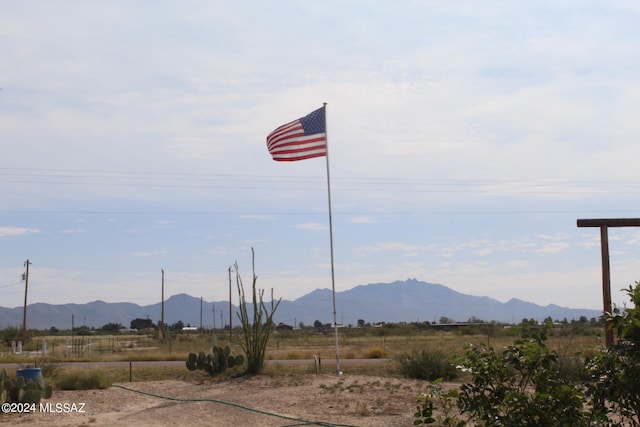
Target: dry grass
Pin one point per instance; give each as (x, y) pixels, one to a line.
(296, 345)
(288, 354)
(140, 373)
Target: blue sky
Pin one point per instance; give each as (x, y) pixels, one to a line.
(466, 138)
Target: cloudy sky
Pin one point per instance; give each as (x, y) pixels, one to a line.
(466, 138)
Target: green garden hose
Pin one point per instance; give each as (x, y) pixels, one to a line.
(299, 421)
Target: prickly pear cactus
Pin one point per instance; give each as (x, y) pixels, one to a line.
(192, 362)
(214, 363)
(5, 386)
(18, 391)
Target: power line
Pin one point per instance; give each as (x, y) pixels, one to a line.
(267, 184)
(12, 284)
(506, 188)
(80, 177)
(303, 213)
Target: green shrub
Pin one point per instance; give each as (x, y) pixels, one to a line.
(48, 367)
(615, 391)
(528, 384)
(377, 353)
(83, 380)
(520, 387)
(8, 334)
(433, 397)
(428, 365)
(573, 369)
(293, 355)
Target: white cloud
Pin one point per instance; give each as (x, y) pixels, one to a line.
(313, 226)
(633, 239)
(363, 219)
(552, 248)
(391, 247)
(590, 242)
(219, 250)
(557, 236)
(16, 231)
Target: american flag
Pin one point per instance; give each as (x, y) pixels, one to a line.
(300, 139)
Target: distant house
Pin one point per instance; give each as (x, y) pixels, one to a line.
(283, 327)
(189, 329)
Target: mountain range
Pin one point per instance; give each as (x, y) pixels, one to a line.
(401, 301)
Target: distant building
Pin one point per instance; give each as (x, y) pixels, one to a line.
(283, 327)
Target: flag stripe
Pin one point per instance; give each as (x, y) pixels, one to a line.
(300, 142)
(284, 131)
(313, 148)
(300, 139)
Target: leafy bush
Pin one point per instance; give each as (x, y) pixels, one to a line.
(377, 353)
(615, 392)
(530, 385)
(8, 334)
(83, 380)
(428, 365)
(573, 368)
(521, 387)
(426, 407)
(293, 355)
(48, 367)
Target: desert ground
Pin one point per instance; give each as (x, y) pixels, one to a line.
(263, 400)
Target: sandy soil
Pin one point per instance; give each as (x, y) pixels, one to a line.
(301, 399)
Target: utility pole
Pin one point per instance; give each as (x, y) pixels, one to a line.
(24, 313)
(162, 315)
(201, 328)
(230, 310)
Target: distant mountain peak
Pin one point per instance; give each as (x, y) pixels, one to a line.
(407, 300)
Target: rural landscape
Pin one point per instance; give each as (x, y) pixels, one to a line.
(443, 196)
(393, 374)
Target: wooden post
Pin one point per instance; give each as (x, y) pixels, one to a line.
(606, 283)
(604, 224)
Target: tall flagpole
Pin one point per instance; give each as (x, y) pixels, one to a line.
(333, 280)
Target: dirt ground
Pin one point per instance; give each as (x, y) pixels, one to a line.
(279, 400)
